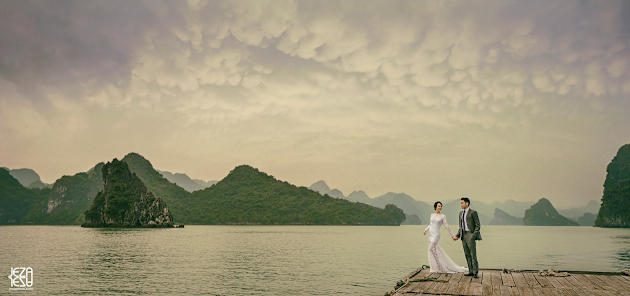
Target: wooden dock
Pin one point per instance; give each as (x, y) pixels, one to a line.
(526, 283)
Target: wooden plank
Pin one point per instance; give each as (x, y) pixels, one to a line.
(505, 290)
(409, 287)
(531, 280)
(445, 277)
(460, 289)
(598, 281)
(451, 290)
(465, 279)
(470, 289)
(495, 283)
(477, 281)
(413, 273)
(519, 280)
(486, 279)
(583, 291)
(525, 291)
(534, 291)
(554, 282)
(621, 281)
(440, 288)
(455, 278)
(424, 273)
(569, 292)
(602, 292)
(426, 287)
(542, 281)
(574, 282)
(613, 282)
(477, 290)
(564, 282)
(496, 290)
(487, 290)
(413, 287)
(507, 279)
(549, 291)
(586, 282)
(514, 291)
(496, 279)
(539, 291)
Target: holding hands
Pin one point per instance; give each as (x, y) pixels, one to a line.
(454, 238)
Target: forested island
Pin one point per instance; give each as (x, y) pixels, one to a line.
(126, 202)
(544, 214)
(245, 196)
(615, 209)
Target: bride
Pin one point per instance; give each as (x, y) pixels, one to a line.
(438, 260)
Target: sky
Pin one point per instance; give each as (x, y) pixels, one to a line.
(492, 100)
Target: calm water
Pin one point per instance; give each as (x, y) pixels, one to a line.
(278, 260)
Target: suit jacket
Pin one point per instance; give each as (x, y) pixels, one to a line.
(474, 226)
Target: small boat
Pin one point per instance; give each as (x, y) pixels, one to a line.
(178, 225)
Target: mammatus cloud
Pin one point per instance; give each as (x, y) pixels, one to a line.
(396, 85)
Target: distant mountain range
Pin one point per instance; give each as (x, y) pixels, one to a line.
(245, 196)
(28, 178)
(71, 194)
(575, 213)
(451, 208)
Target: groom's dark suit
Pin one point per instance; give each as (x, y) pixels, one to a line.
(470, 238)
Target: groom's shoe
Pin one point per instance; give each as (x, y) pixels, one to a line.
(469, 274)
(476, 276)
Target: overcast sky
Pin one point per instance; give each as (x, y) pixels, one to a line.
(493, 100)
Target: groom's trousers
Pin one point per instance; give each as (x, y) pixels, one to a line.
(470, 250)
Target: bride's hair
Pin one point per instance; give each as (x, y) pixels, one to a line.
(435, 204)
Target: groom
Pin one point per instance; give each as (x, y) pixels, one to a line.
(469, 227)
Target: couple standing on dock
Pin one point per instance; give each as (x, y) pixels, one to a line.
(469, 228)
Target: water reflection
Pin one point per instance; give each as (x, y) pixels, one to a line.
(622, 258)
(280, 260)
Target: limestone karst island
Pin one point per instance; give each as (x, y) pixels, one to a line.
(126, 202)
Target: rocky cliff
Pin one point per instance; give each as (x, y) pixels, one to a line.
(71, 195)
(543, 213)
(615, 209)
(412, 220)
(126, 202)
(588, 219)
(503, 218)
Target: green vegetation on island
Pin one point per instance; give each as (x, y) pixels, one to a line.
(176, 197)
(126, 202)
(245, 196)
(543, 213)
(16, 201)
(615, 209)
(248, 196)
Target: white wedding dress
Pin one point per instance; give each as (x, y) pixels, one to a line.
(438, 260)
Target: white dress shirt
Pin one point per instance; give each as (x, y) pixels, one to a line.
(464, 219)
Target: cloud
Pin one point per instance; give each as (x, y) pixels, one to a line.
(290, 70)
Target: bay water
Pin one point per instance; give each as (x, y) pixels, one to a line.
(278, 260)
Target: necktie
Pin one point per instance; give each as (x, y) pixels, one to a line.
(464, 220)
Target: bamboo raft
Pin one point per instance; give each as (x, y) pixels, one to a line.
(525, 283)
